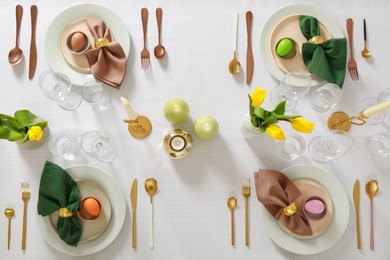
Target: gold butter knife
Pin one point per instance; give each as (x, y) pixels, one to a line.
(33, 46)
(356, 201)
(133, 198)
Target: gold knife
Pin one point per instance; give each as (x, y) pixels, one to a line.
(33, 46)
(133, 198)
(249, 54)
(356, 201)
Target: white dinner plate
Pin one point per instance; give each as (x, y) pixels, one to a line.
(52, 49)
(295, 9)
(114, 227)
(339, 223)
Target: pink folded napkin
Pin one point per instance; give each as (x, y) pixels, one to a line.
(276, 192)
(108, 64)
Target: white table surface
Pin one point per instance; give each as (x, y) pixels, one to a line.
(192, 220)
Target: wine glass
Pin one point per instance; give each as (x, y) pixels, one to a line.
(293, 86)
(98, 146)
(326, 97)
(369, 102)
(383, 97)
(94, 94)
(332, 145)
(291, 148)
(57, 87)
(379, 144)
(67, 147)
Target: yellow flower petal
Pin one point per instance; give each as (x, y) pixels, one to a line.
(35, 133)
(258, 97)
(275, 131)
(302, 125)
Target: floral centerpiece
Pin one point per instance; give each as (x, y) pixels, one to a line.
(23, 126)
(266, 121)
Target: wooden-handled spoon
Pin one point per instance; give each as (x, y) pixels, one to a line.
(16, 54)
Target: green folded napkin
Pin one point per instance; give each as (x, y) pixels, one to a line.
(58, 190)
(327, 60)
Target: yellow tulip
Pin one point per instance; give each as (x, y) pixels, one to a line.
(35, 133)
(302, 125)
(275, 131)
(258, 96)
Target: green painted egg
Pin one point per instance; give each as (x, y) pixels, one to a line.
(284, 47)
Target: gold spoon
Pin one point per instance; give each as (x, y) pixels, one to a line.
(365, 52)
(234, 65)
(16, 54)
(151, 187)
(9, 213)
(232, 204)
(159, 50)
(372, 188)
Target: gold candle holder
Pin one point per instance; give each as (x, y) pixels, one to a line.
(177, 144)
(140, 127)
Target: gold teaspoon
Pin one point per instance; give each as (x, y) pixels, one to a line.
(365, 52)
(372, 188)
(234, 65)
(151, 187)
(232, 204)
(9, 213)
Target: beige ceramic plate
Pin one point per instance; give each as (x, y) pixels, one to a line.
(310, 188)
(289, 28)
(91, 229)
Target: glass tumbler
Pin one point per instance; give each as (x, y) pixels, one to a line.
(291, 148)
(326, 97)
(334, 144)
(379, 144)
(94, 94)
(98, 146)
(67, 147)
(57, 87)
(293, 86)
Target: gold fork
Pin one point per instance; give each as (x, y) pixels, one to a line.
(352, 66)
(246, 192)
(145, 55)
(25, 198)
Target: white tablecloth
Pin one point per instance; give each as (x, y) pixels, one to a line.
(192, 220)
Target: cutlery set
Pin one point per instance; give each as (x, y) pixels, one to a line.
(232, 205)
(159, 50)
(234, 64)
(151, 187)
(16, 54)
(371, 188)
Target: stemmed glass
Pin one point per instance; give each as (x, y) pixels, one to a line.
(67, 147)
(379, 144)
(293, 86)
(57, 87)
(326, 97)
(94, 94)
(334, 144)
(98, 146)
(383, 97)
(291, 148)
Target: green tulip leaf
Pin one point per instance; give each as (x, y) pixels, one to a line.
(25, 118)
(280, 109)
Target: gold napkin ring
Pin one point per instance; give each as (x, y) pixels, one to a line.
(290, 209)
(101, 42)
(316, 40)
(65, 213)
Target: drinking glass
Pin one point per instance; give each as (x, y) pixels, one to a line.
(291, 148)
(57, 87)
(98, 146)
(379, 144)
(334, 144)
(293, 86)
(67, 147)
(369, 102)
(383, 97)
(326, 97)
(94, 94)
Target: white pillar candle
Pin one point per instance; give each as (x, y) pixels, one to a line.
(372, 111)
(129, 109)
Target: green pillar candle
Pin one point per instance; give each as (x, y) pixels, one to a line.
(206, 128)
(176, 111)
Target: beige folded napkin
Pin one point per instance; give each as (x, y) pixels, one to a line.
(108, 63)
(277, 193)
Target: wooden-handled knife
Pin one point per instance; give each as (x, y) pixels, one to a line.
(249, 54)
(356, 201)
(133, 199)
(33, 46)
